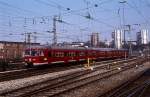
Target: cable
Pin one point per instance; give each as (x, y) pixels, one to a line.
(74, 12)
(45, 3)
(96, 20)
(39, 17)
(11, 6)
(105, 1)
(138, 11)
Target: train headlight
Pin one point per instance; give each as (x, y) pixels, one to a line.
(30, 60)
(45, 59)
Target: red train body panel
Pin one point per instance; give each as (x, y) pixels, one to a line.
(42, 56)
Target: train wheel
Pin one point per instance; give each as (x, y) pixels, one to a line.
(29, 65)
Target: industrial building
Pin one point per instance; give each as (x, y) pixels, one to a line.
(142, 37)
(117, 36)
(95, 39)
(13, 50)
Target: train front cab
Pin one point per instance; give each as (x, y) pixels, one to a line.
(35, 57)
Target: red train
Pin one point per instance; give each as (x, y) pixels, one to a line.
(43, 56)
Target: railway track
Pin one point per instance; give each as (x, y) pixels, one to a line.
(17, 74)
(137, 91)
(139, 87)
(140, 90)
(55, 87)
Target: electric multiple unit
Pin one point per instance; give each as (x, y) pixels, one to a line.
(45, 56)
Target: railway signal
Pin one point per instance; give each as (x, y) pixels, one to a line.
(89, 63)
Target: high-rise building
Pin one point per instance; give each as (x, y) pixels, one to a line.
(138, 38)
(117, 36)
(142, 37)
(95, 39)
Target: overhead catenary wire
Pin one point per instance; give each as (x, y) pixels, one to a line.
(48, 16)
(72, 12)
(84, 17)
(65, 12)
(138, 11)
(18, 8)
(51, 5)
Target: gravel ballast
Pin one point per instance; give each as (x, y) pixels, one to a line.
(91, 90)
(102, 86)
(7, 86)
(19, 83)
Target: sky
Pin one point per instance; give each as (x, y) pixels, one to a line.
(79, 19)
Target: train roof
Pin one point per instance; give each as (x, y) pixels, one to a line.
(58, 47)
(107, 49)
(74, 48)
(67, 48)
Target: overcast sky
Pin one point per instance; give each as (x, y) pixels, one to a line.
(20, 16)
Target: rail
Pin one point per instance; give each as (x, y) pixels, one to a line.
(69, 82)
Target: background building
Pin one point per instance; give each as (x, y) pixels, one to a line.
(95, 40)
(13, 50)
(117, 36)
(142, 37)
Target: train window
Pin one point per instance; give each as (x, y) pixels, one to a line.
(94, 53)
(81, 54)
(57, 54)
(65, 54)
(102, 53)
(33, 53)
(76, 54)
(62, 54)
(89, 53)
(54, 54)
(69, 54)
(73, 54)
(40, 53)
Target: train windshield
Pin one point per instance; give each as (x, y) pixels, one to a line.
(34, 53)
